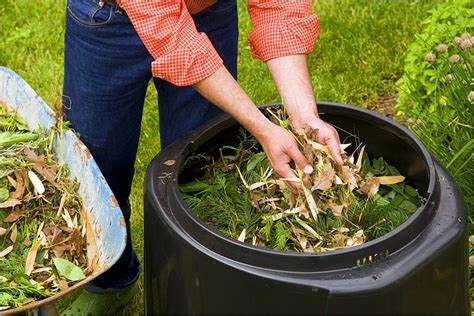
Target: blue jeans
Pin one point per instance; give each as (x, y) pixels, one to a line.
(106, 74)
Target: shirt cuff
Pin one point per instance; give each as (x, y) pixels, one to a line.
(188, 65)
(283, 37)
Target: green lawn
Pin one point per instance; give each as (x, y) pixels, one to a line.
(357, 59)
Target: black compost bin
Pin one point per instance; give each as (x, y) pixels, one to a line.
(421, 267)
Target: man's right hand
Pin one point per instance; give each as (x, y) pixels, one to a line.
(281, 148)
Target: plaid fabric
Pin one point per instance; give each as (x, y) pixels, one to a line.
(184, 56)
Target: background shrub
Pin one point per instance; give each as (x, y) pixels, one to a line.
(418, 87)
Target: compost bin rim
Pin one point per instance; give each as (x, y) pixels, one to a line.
(187, 221)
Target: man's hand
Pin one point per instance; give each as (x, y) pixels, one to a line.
(281, 149)
(327, 134)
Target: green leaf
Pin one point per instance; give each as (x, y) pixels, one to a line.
(22, 278)
(408, 206)
(365, 168)
(5, 299)
(411, 191)
(397, 200)
(9, 138)
(285, 124)
(391, 194)
(255, 160)
(391, 170)
(377, 164)
(230, 157)
(381, 201)
(68, 269)
(195, 186)
(4, 194)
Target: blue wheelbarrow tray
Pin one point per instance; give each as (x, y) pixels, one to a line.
(106, 232)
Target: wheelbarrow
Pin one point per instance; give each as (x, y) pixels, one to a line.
(106, 233)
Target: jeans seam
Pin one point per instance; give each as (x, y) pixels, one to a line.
(92, 13)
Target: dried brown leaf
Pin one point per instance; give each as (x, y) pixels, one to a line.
(76, 243)
(63, 286)
(357, 239)
(10, 203)
(41, 270)
(309, 197)
(13, 216)
(242, 235)
(349, 177)
(39, 165)
(61, 204)
(11, 181)
(68, 219)
(59, 250)
(343, 147)
(390, 179)
(20, 184)
(255, 200)
(169, 162)
(66, 229)
(3, 231)
(31, 258)
(336, 209)
(471, 239)
(309, 229)
(40, 230)
(6, 251)
(14, 233)
(359, 158)
(370, 187)
(41, 277)
(37, 183)
(325, 180)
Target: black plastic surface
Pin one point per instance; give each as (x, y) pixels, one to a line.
(421, 267)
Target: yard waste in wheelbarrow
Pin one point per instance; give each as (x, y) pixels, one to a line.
(106, 232)
(420, 267)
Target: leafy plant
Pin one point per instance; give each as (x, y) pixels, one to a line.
(426, 64)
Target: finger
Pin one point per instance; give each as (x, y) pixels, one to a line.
(334, 149)
(335, 133)
(300, 160)
(284, 171)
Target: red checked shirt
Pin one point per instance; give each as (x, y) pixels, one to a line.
(184, 56)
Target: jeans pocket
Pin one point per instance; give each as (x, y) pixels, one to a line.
(90, 12)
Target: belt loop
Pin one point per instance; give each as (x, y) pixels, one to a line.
(118, 9)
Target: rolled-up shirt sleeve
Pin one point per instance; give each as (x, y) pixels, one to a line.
(282, 28)
(182, 55)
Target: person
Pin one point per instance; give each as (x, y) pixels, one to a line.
(189, 49)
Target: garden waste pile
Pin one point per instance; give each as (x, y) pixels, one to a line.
(42, 235)
(338, 206)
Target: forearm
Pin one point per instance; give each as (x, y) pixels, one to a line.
(291, 77)
(292, 80)
(222, 90)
